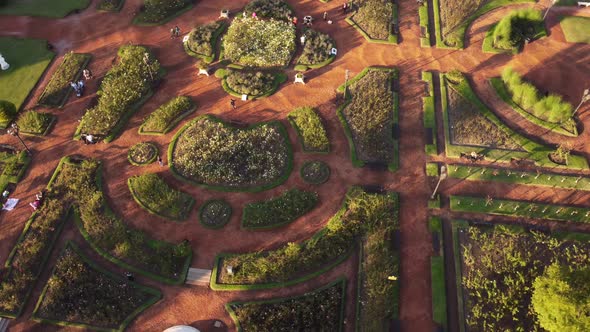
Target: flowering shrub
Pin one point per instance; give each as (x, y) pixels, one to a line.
(258, 43)
(201, 38)
(310, 129)
(34, 122)
(316, 49)
(210, 152)
(155, 11)
(123, 86)
(154, 194)
(276, 9)
(374, 16)
(280, 210)
(251, 83)
(164, 117)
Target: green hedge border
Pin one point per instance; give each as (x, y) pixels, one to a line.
(137, 199)
(301, 137)
(429, 119)
(172, 124)
(341, 280)
(423, 16)
(202, 208)
(65, 98)
(533, 151)
(311, 182)
(275, 225)
(151, 160)
(303, 67)
(282, 131)
(52, 121)
(214, 44)
(438, 277)
(488, 44)
(279, 78)
(502, 92)
(356, 162)
(391, 39)
(136, 19)
(456, 226)
(157, 295)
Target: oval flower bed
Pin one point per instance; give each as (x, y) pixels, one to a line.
(278, 211)
(315, 172)
(142, 154)
(254, 84)
(316, 50)
(209, 152)
(215, 213)
(167, 116)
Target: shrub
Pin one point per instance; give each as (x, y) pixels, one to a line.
(280, 210)
(142, 153)
(374, 17)
(34, 122)
(58, 87)
(315, 172)
(123, 87)
(201, 39)
(7, 111)
(156, 196)
(215, 213)
(275, 9)
(259, 43)
(316, 49)
(109, 5)
(156, 11)
(512, 30)
(251, 83)
(164, 117)
(310, 129)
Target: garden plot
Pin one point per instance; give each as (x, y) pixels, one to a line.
(375, 20)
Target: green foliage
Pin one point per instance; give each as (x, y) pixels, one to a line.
(315, 172)
(251, 83)
(74, 281)
(7, 111)
(34, 122)
(58, 88)
(110, 5)
(513, 28)
(551, 108)
(362, 213)
(52, 9)
(432, 169)
(279, 210)
(125, 85)
(274, 9)
(259, 43)
(155, 195)
(575, 28)
(561, 298)
(320, 310)
(310, 129)
(210, 152)
(374, 17)
(215, 213)
(316, 48)
(142, 153)
(162, 118)
(156, 11)
(202, 38)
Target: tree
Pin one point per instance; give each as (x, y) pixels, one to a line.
(561, 298)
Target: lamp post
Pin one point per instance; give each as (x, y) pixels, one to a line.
(146, 60)
(13, 130)
(442, 176)
(553, 2)
(585, 98)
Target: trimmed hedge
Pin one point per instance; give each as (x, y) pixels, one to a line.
(153, 194)
(278, 211)
(315, 172)
(142, 154)
(437, 272)
(163, 119)
(310, 129)
(35, 123)
(74, 280)
(156, 12)
(514, 28)
(237, 82)
(424, 25)
(58, 89)
(215, 213)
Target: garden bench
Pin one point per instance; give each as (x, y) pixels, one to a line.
(299, 78)
(224, 13)
(584, 3)
(203, 71)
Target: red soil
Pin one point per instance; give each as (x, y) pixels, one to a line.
(545, 62)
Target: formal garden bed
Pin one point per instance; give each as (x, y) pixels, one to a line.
(209, 152)
(156, 12)
(110, 5)
(316, 51)
(526, 209)
(278, 211)
(315, 172)
(310, 129)
(369, 116)
(126, 86)
(12, 167)
(452, 18)
(156, 196)
(58, 89)
(28, 59)
(549, 111)
(429, 115)
(319, 310)
(575, 29)
(362, 214)
(52, 9)
(375, 20)
(255, 84)
(76, 279)
(269, 9)
(506, 278)
(35, 123)
(514, 30)
(437, 274)
(202, 40)
(482, 132)
(424, 24)
(165, 118)
(215, 213)
(142, 154)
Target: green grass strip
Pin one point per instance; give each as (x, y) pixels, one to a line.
(520, 209)
(456, 227)
(429, 113)
(423, 15)
(43, 8)
(439, 296)
(576, 29)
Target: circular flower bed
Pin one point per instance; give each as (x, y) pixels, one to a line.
(252, 83)
(315, 172)
(142, 154)
(215, 213)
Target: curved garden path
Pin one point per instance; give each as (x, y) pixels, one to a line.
(550, 63)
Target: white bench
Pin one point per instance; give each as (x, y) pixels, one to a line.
(203, 71)
(584, 3)
(299, 78)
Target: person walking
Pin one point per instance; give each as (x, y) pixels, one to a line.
(325, 16)
(87, 74)
(344, 7)
(160, 162)
(172, 33)
(177, 31)
(232, 102)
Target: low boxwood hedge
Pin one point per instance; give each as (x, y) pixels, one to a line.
(278, 211)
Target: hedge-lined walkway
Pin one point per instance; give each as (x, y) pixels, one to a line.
(546, 60)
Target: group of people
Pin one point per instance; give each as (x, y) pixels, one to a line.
(79, 86)
(175, 32)
(37, 202)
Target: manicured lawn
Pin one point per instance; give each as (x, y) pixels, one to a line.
(28, 59)
(52, 8)
(576, 29)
